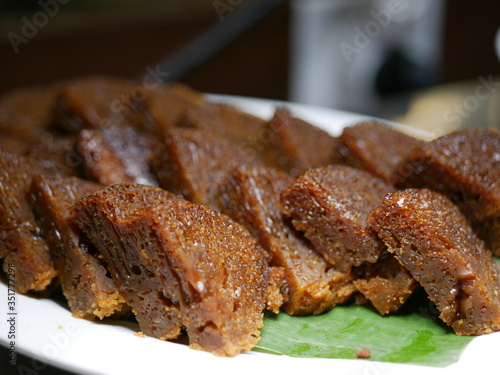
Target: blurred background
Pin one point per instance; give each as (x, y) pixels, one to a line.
(430, 63)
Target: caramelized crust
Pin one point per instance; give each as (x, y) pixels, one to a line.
(83, 277)
(251, 196)
(376, 148)
(433, 240)
(464, 166)
(330, 205)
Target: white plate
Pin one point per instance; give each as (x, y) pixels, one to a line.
(45, 330)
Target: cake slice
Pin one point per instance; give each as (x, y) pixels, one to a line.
(432, 239)
(222, 271)
(298, 145)
(251, 195)
(376, 148)
(330, 205)
(162, 106)
(202, 264)
(116, 154)
(57, 154)
(90, 292)
(193, 162)
(27, 113)
(21, 241)
(93, 102)
(464, 166)
(224, 120)
(248, 132)
(101, 217)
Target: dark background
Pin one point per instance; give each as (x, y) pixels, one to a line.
(256, 63)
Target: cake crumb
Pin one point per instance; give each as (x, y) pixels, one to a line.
(139, 334)
(363, 353)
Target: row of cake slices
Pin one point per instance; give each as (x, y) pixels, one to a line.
(197, 217)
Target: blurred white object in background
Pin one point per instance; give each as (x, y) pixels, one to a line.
(445, 108)
(352, 54)
(497, 43)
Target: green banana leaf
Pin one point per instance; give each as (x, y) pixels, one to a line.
(415, 335)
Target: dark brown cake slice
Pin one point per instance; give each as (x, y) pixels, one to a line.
(464, 166)
(193, 162)
(116, 154)
(251, 196)
(207, 265)
(433, 240)
(222, 272)
(386, 284)
(27, 113)
(106, 219)
(163, 105)
(330, 205)
(225, 120)
(376, 148)
(298, 145)
(57, 153)
(89, 290)
(21, 241)
(248, 132)
(93, 102)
